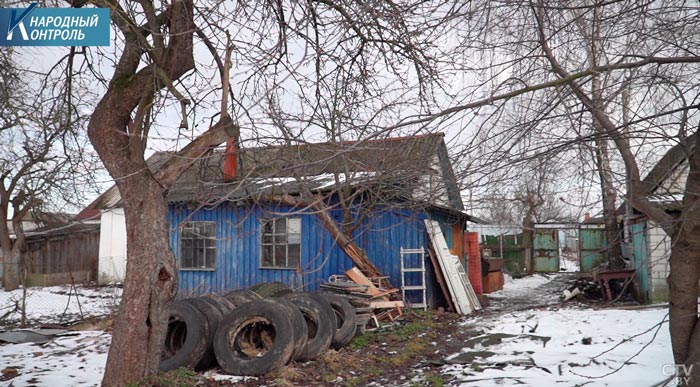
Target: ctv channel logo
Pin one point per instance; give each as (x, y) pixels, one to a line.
(682, 372)
(34, 26)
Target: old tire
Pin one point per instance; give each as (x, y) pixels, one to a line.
(213, 316)
(240, 297)
(270, 289)
(185, 339)
(224, 305)
(258, 338)
(320, 323)
(300, 327)
(346, 320)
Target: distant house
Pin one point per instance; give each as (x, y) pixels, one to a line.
(59, 251)
(65, 254)
(651, 246)
(229, 232)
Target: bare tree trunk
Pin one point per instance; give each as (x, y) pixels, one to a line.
(10, 280)
(120, 140)
(150, 287)
(13, 273)
(528, 234)
(11, 277)
(613, 251)
(684, 276)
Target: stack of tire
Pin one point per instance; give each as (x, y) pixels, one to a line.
(255, 331)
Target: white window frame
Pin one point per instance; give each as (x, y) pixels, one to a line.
(208, 246)
(272, 242)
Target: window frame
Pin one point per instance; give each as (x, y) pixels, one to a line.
(273, 243)
(206, 248)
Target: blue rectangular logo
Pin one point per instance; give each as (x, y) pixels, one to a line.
(34, 26)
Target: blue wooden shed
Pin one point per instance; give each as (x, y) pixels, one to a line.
(230, 229)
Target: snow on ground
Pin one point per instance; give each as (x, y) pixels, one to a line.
(546, 348)
(570, 262)
(527, 292)
(516, 287)
(57, 304)
(73, 359)
(532, 347)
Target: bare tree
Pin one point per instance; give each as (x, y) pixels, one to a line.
(533, 194)
(43, 162)
(685, 262)
(626, 69)
(279, 49)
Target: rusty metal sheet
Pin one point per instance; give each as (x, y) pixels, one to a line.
(546, 250)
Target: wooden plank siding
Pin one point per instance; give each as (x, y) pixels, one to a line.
(381, 235)
(64, 253)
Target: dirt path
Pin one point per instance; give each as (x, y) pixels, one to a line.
(532, 292)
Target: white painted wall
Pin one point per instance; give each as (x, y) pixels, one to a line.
(112, 262)
(431, 187)
(659, 250)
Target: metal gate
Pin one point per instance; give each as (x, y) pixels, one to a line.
(592, 239)
(546, 250)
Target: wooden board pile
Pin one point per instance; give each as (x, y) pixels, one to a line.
(372, 303)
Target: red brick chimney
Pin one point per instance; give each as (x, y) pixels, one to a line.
(231, 159)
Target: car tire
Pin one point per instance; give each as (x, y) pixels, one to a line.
(185, 338)
(258, 338)
(346, 320)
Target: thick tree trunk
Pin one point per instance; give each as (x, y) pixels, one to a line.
(120, 140)
(684, 276)
(150, 287)
(11, 272)
(683, 306)
(5, 242)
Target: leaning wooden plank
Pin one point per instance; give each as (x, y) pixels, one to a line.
(451, 268)
(441, 280)
(356, 275)
(386, 304)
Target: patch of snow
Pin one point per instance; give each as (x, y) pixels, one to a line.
(76, 359)
(628, 348)
(518, 287)
(213, 375)
(56, 304)
(569, 262)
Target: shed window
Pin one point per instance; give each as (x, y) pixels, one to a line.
(198, 246)
(281, 243)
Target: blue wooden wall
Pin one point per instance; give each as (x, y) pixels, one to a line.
(382, 234)
(641, 258)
